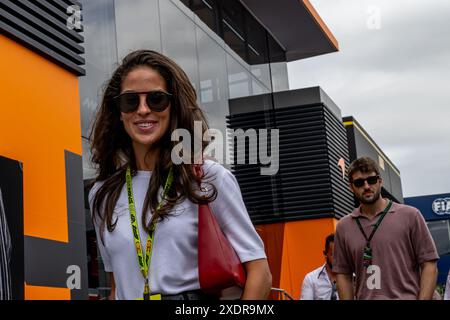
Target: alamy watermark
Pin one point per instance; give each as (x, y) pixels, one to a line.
(374, 279)
(74, 19)
(259, 144)
(374, 19)
(74, 280)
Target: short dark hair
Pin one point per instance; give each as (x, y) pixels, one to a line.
(328, 240)
(363, 165)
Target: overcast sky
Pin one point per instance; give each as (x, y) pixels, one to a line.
(393, 75)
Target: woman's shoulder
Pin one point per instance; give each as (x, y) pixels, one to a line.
(214, 169)
(95, 187)
(219, 175)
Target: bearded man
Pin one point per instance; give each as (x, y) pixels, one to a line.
(386, 245)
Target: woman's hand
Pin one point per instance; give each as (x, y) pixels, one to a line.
(259, 280)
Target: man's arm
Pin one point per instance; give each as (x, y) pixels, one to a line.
(428, 278)
(343, 262)
(344, 283)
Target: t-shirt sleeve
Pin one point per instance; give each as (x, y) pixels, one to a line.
(232, 216)
(423, 243)
(307, 289)
(341, 257)
(101, 247)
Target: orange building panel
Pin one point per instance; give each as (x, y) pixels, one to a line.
(40, 119)
(294, 249)
(46, 293)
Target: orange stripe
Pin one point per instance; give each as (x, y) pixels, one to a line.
(321, 23)
(46, 293)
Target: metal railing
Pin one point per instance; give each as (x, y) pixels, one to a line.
(281, 294)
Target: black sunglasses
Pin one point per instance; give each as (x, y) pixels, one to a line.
(157, 101)
(370, 180)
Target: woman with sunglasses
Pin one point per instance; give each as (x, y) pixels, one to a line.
(144, 206)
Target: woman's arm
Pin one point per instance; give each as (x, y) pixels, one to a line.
(259, 280)
(112, 295)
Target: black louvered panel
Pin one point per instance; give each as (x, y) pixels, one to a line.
(53, 9)
(337, 149)
(302, 188)
(43, 27)
(312, 139)
(257, 190)
(303, 161)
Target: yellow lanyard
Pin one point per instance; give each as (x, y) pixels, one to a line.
(144, 259)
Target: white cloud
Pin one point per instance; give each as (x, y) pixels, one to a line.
(394, 81)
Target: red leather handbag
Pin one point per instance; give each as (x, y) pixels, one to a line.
(221, 273)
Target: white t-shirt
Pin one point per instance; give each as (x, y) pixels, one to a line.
(174, 267)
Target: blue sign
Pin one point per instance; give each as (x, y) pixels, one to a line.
(432, 207)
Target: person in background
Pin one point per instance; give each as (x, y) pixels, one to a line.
(320, 284)
(387, 245)
(436, 295)
(447, 288)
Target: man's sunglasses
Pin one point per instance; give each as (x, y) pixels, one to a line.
(157, 101)
(370, 180)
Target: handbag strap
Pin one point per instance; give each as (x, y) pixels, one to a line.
(198, 170)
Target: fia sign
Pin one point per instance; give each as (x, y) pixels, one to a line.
(441, 206)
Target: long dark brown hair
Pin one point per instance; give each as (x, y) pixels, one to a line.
(112, 150)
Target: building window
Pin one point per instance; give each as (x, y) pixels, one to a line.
(440, 231)
(239, 29)
(256, 41)
(205, 10)
(276, 53)
(234, 39)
